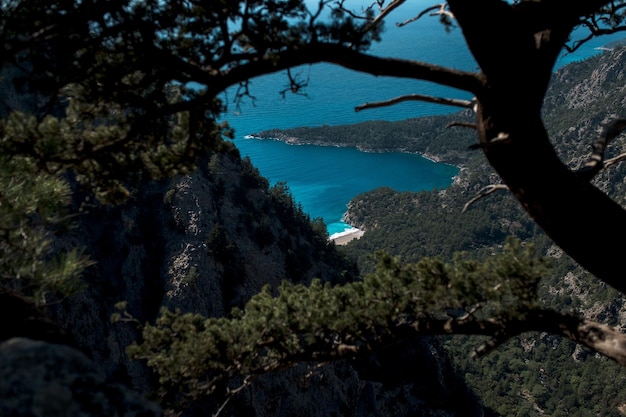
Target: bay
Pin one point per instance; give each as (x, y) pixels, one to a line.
(324, 179)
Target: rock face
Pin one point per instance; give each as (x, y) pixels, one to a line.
(207, 242)
(413, 379)
(39, 379)
(203, 243)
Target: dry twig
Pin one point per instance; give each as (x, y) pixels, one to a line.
(442, 10)
(462, 124)
(485, 191)
(416, 97)
(596, 161)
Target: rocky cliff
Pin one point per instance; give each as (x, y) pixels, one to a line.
(207, 242)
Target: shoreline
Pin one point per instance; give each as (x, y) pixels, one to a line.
(347, 236)
(294, 140)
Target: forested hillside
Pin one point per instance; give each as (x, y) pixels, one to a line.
(146, 268)
(426, 135)
(536, 374)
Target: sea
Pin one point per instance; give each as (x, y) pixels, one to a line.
(323, 179)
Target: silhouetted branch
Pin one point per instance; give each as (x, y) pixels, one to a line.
(416, 97)
(442, 10)
(385, 11)
(462, 124)
(485, 191)
(597, 26)
(295, 85)
(501, 138)
(350, 59)
(596, 161)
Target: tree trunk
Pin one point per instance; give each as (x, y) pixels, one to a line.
(577, 216)
(516, 48)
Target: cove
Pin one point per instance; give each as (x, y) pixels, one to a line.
(323, 179)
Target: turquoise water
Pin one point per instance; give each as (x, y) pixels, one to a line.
(324, 179)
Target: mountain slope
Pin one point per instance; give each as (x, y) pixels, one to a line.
(532, 375)
(207, 242)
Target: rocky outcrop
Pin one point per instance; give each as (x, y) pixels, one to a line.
(589, 82)
(207, 242)
(203, 243)
(411, 379)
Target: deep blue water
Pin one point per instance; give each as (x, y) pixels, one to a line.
(324, 179)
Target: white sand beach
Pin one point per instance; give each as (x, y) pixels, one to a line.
(345, 237)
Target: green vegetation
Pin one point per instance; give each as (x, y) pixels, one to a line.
(99, 103)
(413, 225)
(195, 356)
(426, 135)
(34, 206)
(543, 375)
(510, 379)
(534, 374)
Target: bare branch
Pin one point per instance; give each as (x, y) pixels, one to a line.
(599, 337)
(416, 97)
(442, 10)
(350, 59)
(233, 392)
(295, 84)
(352, 14)
(596, 336)
(500, 139)
(485, 191)
(598, 25)
(385, 11)
(462, 124)
(596, 160)
(615, 160)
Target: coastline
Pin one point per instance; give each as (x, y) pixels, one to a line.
(347, 236)
(294, 140)
(343, 238)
